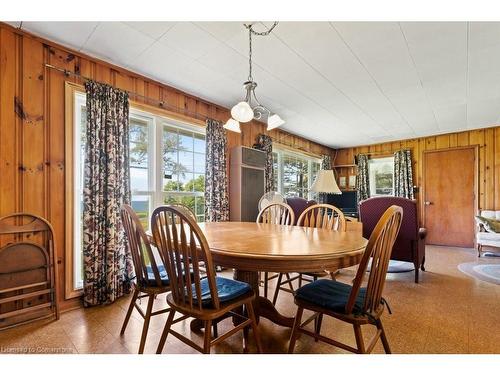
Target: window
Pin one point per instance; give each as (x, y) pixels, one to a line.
(294, 173)
(381, 176)
(80, 121)
(167, 164)
(184, 162)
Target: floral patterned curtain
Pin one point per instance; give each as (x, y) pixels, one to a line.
(403, 176)
(362, 179)
(216, 191)
(326, 163)
(265, 143)
(106, 186)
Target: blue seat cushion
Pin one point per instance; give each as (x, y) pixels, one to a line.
(331, 295)
(227, 290)
(163, 276)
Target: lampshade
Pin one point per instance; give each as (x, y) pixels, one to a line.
(325, 183)
(242, 112)
(232, 125)
(274, 121)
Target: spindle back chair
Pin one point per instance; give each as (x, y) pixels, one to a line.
(150, 277)
(363, 305)
(322, 216)
(183, 246)
(276, 213)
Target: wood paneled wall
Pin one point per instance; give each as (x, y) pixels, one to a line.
(32, 165)
(487, 139)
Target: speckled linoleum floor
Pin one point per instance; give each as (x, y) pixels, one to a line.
(448, 312)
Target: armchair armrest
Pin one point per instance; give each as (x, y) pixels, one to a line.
(422, 233)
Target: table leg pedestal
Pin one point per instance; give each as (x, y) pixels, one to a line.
(262, 306)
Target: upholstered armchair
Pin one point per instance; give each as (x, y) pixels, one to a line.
(487, 240)
(298, 205)
(410, 243)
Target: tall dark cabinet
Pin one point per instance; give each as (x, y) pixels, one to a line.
(246, 184)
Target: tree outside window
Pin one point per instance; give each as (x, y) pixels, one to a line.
(381, 176)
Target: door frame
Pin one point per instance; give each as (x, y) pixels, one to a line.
(476, 178)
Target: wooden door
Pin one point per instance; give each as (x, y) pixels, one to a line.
(450, 185)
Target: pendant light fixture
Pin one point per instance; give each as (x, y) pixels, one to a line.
(250, 108)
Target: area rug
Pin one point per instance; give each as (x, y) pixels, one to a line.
(397, 266)
(484, 271)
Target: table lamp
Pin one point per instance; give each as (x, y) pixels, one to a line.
(325, 183)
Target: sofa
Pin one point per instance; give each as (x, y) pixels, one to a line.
(485, 239)
(410, 243)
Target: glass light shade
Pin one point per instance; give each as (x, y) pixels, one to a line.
(274, 121)
(232, 125)
(325, 183)
(242, 112)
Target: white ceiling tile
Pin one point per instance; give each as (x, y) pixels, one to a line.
(160, 60)
(340, 84)
(72, 34)
(483, 35)
(189, 39)
(225, 59)
(223, 30)
(153, 29)
(483, 112)
(117, 41)
(451, 117)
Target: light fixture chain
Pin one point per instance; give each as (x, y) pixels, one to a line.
(250, 32)
(246, 110)
(250, 78)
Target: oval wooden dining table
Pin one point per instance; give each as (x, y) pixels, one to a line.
(250, 248)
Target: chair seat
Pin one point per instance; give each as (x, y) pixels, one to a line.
(487, 236)
(227, 290)
(163, 276)
(330, 294)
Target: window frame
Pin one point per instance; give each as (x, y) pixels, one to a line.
(372, 174)
(156, 119)
(281, 151)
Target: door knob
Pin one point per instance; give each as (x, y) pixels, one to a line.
(427, 203)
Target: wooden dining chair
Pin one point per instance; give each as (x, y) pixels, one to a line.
(186, 208)
(183, 246)
(354, 304)
(150, 277)
(316, 216)
(275, 213)
(192, 215)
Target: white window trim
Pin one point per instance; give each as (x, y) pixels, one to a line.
(156, 124)
(297, 154)
(77, 279)
(75, 96)
(372, 180)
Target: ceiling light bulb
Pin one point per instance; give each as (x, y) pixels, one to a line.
(242, 112)
(232, 125)
(274, 121)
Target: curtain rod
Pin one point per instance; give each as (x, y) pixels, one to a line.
(161, 103)
(288, 145)
(382, 152)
